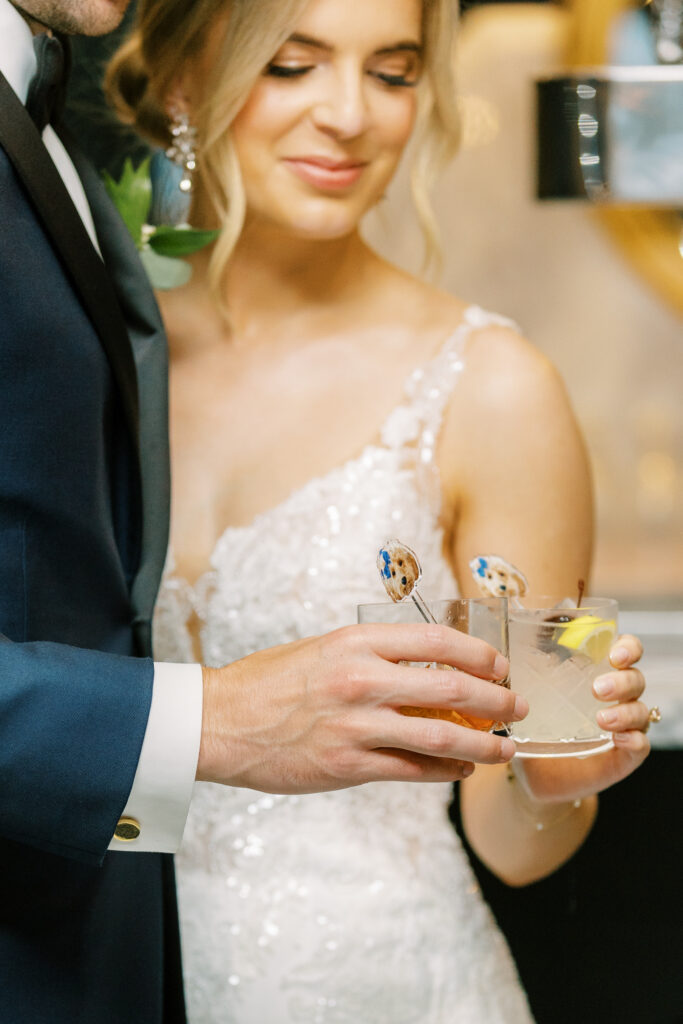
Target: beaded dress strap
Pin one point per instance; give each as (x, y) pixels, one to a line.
(417, 421)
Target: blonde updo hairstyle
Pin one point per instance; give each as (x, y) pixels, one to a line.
(168, 34)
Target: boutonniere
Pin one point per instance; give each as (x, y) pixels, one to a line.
(161, 247)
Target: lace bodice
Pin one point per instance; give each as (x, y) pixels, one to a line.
(352, 907)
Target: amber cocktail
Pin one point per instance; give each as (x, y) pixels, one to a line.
(486, 618)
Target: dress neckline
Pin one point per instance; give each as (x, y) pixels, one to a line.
(313, 483)
(473, 316)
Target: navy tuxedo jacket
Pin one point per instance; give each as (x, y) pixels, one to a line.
(86, 936)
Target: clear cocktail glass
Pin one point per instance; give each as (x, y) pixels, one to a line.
(555, 654)
(485, 617)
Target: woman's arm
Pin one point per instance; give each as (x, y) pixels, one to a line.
(516, 483)
(524, 822)
(518, 839)
(514, 468)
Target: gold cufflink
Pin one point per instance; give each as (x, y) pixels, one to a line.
(127, 829)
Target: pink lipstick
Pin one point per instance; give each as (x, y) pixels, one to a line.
(326, 173)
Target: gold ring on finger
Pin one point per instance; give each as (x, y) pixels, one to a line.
(654, 715)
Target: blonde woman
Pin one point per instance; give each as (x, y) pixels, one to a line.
(322, 400)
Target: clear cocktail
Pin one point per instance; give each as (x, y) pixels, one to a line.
(555, 654)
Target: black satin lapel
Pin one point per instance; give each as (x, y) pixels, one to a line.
(134, 292)
(47, 192)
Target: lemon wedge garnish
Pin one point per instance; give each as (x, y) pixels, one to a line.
(589, 635)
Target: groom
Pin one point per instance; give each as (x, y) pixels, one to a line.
(99, 747)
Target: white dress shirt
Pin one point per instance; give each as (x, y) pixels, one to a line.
(162, 788)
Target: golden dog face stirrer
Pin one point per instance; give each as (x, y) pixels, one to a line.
(497, 578)
(400, 572)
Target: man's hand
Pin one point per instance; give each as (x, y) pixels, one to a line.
(322, 713)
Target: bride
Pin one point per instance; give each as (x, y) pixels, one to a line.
(322, 401)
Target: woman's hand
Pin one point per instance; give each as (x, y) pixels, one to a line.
(629, 719)
(564, 779)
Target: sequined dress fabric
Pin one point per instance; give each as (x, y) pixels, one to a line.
(357, 906)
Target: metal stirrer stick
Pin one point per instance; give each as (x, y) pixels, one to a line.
(421, 606)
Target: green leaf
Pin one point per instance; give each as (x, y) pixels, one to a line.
(132, 196)
(176, 242)
(165, 273)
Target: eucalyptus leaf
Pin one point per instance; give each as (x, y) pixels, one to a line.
(175, 242)
(132, 196)
(163, 272)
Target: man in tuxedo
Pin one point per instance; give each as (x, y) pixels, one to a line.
(99, 747)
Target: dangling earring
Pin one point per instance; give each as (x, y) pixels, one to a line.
(182, 149)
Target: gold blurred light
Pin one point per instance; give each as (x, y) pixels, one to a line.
(656, 474)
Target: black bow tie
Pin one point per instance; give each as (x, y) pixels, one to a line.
(47, 91)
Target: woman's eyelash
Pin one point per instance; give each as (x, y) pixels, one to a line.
(395, 79)
(284, 71)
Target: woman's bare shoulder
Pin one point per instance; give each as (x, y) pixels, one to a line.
(504, 371)
(497, 356)
(508, 390)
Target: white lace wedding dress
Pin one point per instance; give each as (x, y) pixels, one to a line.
(357, 906)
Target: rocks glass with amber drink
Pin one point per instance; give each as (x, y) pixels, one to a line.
(485, 618)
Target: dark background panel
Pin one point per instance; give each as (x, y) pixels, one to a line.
(601, 940)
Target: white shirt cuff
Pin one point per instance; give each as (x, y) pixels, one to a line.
(162, 789)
